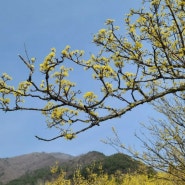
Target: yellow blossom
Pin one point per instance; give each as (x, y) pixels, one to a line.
(69, 136)
(33, 59)
(138, 45)
(64, 53)
(5, 100)
(5, 76)
(89, 95)
(53, 50)
(23, 86)
(109, 21)
(102, 31)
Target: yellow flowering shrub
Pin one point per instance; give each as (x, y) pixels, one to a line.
(115, 179)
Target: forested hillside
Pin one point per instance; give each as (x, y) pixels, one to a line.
(69, 164)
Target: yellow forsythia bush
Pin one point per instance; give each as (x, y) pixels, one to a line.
(105, 179)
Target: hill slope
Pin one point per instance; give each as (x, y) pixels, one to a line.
(13, 168)
(35, 167)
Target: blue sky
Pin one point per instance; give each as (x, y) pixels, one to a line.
(41, 25)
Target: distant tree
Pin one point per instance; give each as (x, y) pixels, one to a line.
(165, 143)
(144, 65)
(165, 150)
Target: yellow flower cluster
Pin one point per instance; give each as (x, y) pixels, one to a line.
(102, 31)
(6, 77)
(33, 59)
(117, 59)
(90, 96)
(69, 54)
(48, 106)
(128, 77)
(5, 100)
(106, 35)
(77, 52)
(42, 85)
(152, 69)
(57, 113)
(132, 29)
(103, 71)
(4, 88)
(138, 45)
(109, 21)
(69, 136)
(141, 19)
(129, 83)
(65, 52)
(108, 88)
(155, 2)
(23, 86)
(115, 179)
(64, 72)
(65, 84)
(54, 169)
(48, 61)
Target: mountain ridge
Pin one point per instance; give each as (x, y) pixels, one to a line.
(15, 167)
